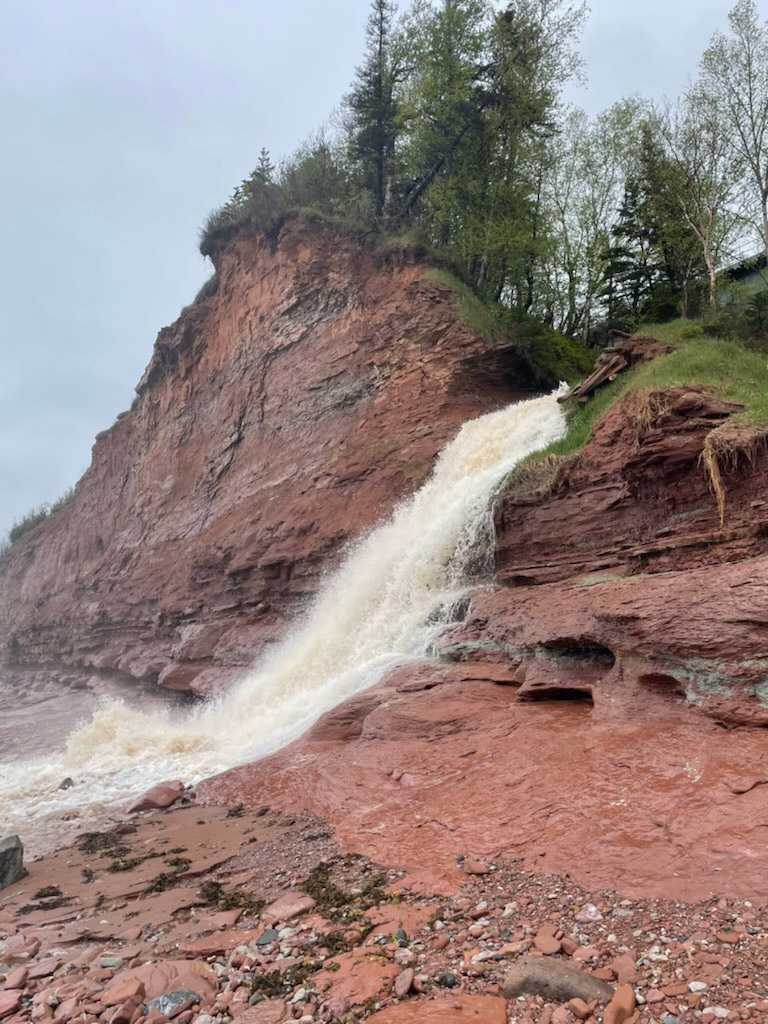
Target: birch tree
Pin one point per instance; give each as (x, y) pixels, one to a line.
(705, 178)
(586, 169)
(735, 77)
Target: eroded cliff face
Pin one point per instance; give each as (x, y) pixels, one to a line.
(276, 420)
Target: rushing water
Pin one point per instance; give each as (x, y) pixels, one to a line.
(380, 608)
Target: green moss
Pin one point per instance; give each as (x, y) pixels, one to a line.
(466, 651)
(550, 356)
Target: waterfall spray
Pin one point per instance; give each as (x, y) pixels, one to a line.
(377, 610)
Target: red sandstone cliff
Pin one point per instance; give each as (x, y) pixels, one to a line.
(276, 419)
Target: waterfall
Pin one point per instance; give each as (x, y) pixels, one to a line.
(380, 608)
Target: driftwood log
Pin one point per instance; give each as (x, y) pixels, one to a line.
(615, 360)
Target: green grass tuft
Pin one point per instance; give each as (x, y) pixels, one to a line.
(34, 517)
(674, 332)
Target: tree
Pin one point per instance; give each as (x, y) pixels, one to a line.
(530, 58)
(373, 108)
(587, 166)
(735, 78)
(443, 103)
(478, 108)
(317, 177)
(676, 251)
(705, 177)
(262, 175)
(631, 271)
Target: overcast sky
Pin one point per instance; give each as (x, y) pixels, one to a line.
(124, 122)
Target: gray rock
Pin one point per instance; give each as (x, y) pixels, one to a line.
(12, 868)
(169, 1003)
(556, 981)
(113, 962)
(270, 935)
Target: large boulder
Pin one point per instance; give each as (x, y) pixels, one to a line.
(11, 861)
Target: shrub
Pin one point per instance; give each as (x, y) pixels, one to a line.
(207, 289)
(28, 522)
(36, 516)
(551, 356)
(261, 211)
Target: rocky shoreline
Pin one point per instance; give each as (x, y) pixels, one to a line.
(218, 914)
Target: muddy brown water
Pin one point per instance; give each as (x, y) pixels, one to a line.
(34, 724)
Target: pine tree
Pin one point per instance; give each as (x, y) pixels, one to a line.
(265, 169)
(373, 107)
(262, 177)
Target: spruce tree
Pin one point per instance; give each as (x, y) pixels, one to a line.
(373, 107)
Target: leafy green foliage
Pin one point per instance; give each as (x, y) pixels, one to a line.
(454, 134)
(28, 522)
(373, 109)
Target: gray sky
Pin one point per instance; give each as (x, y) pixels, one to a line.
(124, 122)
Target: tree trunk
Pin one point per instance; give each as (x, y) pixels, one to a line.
(712, 275)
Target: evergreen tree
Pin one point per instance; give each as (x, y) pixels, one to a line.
(262, 176)
(676, 249)
(373, 108)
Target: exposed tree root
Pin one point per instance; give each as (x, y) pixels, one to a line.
(724, 448)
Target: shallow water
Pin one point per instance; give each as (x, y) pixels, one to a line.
(33, 724)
